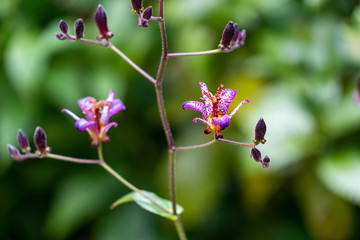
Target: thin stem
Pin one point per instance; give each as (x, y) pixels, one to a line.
(172, 180)
(194, 53)
(71, 159)
(196, 146)
(125, 182)
(235, 143)
(180, 229)
(129, 61)
(84, 40)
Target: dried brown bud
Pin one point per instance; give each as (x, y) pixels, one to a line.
(79, 28)
(40, 140)
(101, 22)
(260, 130)
(266, 162)
(64, 28)
(15, 154)
(137, 6)
(23, 141)
(227, 36)
(256, 154)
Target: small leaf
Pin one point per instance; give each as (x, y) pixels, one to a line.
(150, 206)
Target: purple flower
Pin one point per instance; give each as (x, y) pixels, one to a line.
(214, 108)
(97, 116)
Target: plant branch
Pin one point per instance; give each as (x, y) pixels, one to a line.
(125, 182)
(235, 143)
(129, 61)
(196, 146)
(71, 159)
(194, 53)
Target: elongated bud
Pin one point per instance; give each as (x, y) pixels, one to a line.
(15, 154)
(60, 36)
(23, 141)
(266, 162)
(256, 154)
(260, 130)
(241, 38)
(40, 140)
(79, 28)
(227, 35)
(64, 28)
(145, 16)
(137, 6)
(101, 22)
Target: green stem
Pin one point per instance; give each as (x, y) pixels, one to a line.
(125, 182)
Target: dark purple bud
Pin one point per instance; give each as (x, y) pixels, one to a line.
(227, 35)
(147, 13)
(60, 36)
(241, 38)
(40, 140)
(79, 28)
(260, 130)
(137, 6)
(266, 162)
(101, 22)
(23, 141)
(64, 28)
(256, 154)
(236, 33)
(15, 154)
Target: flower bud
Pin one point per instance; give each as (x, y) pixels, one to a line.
(266, 162)
(241, 38)
(145, 16)
(23, 141)
(137, 6)
(227, 36)
(256, 154)
(79, 28)
(40, 140)
(15, 154)
(101, 22)
(60, 36)
(64, 28)
(260, 130)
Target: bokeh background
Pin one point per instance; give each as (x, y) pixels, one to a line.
(298, 68)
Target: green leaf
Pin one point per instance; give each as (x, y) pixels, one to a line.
(148, 205)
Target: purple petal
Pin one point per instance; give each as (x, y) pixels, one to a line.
(237, 107)
(73, 115)
(223, 121)
(202, 120)
(198, 106)
(111, 96)
(116, 106)
(204, 89)
(83, 124)
(85, 104)
(108, 126)
(226, 97)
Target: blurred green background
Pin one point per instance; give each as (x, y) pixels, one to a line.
(298, 68)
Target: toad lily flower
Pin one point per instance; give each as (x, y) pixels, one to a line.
(215, 108)
(97, 116)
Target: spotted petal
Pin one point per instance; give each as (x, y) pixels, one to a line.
(83, 124)
(86, 103)
(207, 98)
(198, 106)
(226, 97)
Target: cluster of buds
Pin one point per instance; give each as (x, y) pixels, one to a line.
(260, 130)
(79, 28)
(143, 14)
(232, 37)
(39, 141)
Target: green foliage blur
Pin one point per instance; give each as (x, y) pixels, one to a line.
(298, 68)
